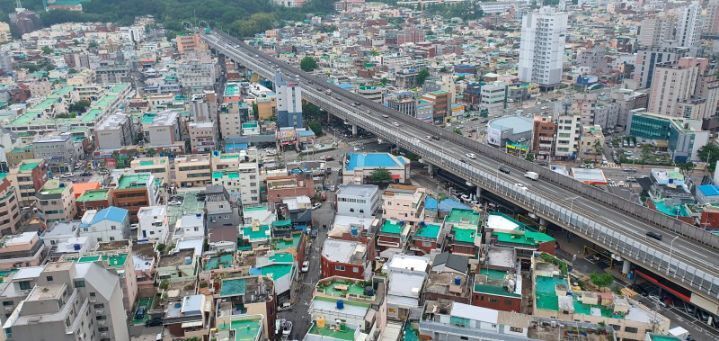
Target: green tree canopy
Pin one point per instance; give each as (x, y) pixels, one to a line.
(422, 76)
(602, 279)
(709, 154)
(308, 64)
(380, 175)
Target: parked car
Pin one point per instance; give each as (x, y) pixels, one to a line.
(153, 322)
(306, 266)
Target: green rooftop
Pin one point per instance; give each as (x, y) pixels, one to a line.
(246, 329)
(282, 257)
(94, 195)
(284, 244)
(491, 281)
(113, 261)
(225, 261)
(28, 166)
(657, 337)
(680, 210)
(391, 227)
(133, 180)
(261, 232)
(343, 333)
(148, 118)
(275, 271)
(546, 296)
(232, 175)
(3, 175)
(464, 235)
(525, 237)
(342, 288)
(428, 231)
(460, 216)
(233, 287)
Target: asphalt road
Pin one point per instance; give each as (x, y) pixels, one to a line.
(683, 250)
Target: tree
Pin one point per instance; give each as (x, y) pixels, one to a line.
(709, 154)
(79, 106)
(384, 81)
(598, 149)
(316, 128)
(380, 175)
(686, 167)
(646, 152)
(457, 131)
(602, 279)
(530, 157)
(308, 64)
(422, 76)
(164, 284)
(46, 50)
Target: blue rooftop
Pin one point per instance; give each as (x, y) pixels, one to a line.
(373, 160)
(111, 213)
(709, 190)
(430, 203)
(449, 204)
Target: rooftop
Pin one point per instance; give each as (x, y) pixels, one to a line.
(341, 333)
(357, 161)
(464, 234)
(346, 288)
(244, 329)
(215, 262)
(428, 231)
(138, 180)
(256, 232)
(464, 217)
(493, 282)
(113, 261)
(525, 237)
(392, 227)
(678, 210)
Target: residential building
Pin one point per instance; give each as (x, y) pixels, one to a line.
(222, 215)
(440, 102)
(684, 89)
(392, 234)
(56, 201)
(448, 279)
(447, 320)
(133, 191)
(189, 226)
(189, 317)
(358, 200)
(28, 177)
(592, 143)
(403, 203)
(158, 166)
(569, 130)
(403, 102)
(70, 300)
(543, 135)
(153, 224)
(463, 231)
(106, 225)
(193, 171)
(427, 238)
(233, 327)
(191, 44)
(241, 296)
(58, 150)
(180, 265)
(502, 230)
(118, 258)
(197, 74)
(689, 26)
(493, 97)
(9, 206)
(345, 258)
(24, 249)
(647, 60)
(406, 276)
(202, 136)
(94, 199)
(289, 102)
(162, 130)
(358, 167)
(541, 50)
(551, 299)
(359, 316)
(281, 267)
(239, 173)
(284, 186)
(372, 93)
(114, 132)
(657, 31)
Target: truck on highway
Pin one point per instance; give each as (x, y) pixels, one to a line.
(532, 175)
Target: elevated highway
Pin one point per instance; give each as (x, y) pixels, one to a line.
(686, 255)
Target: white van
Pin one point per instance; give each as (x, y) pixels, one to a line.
(532, 175)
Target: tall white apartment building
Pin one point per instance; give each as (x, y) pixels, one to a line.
(239, 173)
(541, 51)
(289, 102)
(689, 26)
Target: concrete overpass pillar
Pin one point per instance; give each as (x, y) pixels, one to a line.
(354, 130)
(478, 193)
(625, 267)
(430, 170)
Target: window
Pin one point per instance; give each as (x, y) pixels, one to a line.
(92, 294)
(49, 278)
(355, 269)
(79, 283)
(6, 303)
(516, 330)
(340, 267)
(25, 285)
(631, 329)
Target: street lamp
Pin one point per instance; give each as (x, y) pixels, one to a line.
(671, 251)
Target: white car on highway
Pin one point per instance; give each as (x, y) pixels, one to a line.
(471, 155)
(521, 186)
